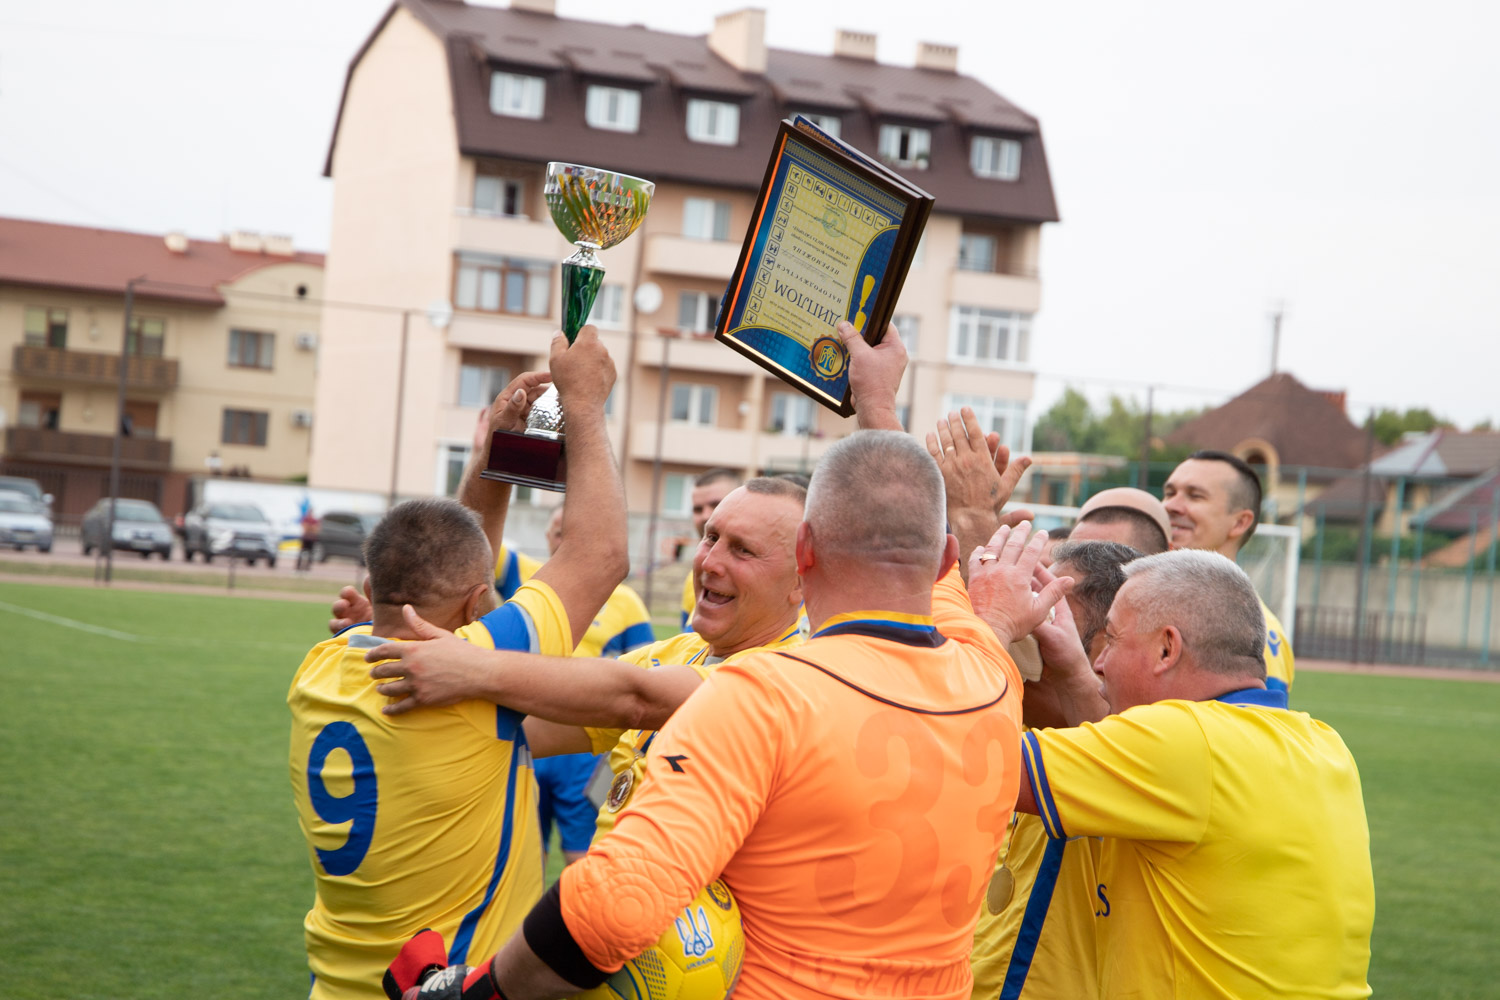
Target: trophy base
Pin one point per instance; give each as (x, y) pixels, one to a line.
(527, 460)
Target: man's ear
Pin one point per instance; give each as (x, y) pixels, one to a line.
(950, 556)
(369, 595)
(1243, 520)
(478, 602)
(1170, 653)
(805, 559)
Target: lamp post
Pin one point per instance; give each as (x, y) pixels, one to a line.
(119, 436)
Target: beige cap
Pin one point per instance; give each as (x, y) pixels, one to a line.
(1134, 499)
(1028, 657)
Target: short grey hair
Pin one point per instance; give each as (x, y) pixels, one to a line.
(878, 495)
(1100, 570)
(1210, 601)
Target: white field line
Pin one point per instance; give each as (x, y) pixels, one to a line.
(72, 623)
(110, 633)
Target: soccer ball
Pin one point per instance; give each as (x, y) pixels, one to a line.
(697, 958)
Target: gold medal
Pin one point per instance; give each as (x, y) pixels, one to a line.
(1002, 889)
(619, 790)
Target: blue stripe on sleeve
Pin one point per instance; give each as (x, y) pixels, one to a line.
(686, 619)
(1041, 791)
(510, 581)
(1032, 921)
(466, 927)
(635, 636)
(510, 627)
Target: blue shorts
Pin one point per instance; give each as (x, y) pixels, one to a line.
(561, 781)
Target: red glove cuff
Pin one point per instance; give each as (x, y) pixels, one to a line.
(418, 958)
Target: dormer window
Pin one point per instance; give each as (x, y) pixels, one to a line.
(994, 157)
(828, 123)
(905, 146)
(717, 122)
(517, 95)
(613, 108)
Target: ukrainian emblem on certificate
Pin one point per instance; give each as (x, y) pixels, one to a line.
(832, 238)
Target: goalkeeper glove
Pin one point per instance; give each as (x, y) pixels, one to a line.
(421, 972)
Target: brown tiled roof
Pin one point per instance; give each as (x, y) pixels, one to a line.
(670, 68)
(48, 255)
(1304, 426)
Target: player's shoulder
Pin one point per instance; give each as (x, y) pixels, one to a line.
(685, 647)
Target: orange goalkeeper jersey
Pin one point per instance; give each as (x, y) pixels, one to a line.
(853, 792)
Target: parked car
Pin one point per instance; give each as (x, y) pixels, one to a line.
(23, 522)
(30, 487)
(239, 529)
(139, 527)
(342, 533)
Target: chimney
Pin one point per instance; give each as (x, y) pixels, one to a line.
(245, 240)
(278, 245)
(854, 44)
(739, 38)
(932, 55)
(535, 6)
(177, 241)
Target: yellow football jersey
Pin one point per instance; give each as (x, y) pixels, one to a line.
(689, 602)
(1237, 858)
(621, 625)
(627, 748)
(513, 569)
(426, 819)
(1039, 944)
(1279, 664)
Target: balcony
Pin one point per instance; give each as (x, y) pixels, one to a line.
(667, 253)
(694, 352)
(33, 444)
(692, 444)
(508, 235)
(996, 291)
(93, 368)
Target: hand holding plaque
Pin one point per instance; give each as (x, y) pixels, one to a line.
(595, 209)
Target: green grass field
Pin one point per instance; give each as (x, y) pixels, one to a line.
(148, 846)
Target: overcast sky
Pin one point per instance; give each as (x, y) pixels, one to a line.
(1210, 161)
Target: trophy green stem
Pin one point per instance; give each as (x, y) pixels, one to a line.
(580, 286)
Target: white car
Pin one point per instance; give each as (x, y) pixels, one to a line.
(239, 530)
(24, 522)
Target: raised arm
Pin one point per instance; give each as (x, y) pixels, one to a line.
(978, 479)
(592, 559)
(874, 376)
(489, 498)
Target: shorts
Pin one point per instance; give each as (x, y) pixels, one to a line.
(561, 782)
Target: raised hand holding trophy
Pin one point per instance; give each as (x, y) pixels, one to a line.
(595, 209)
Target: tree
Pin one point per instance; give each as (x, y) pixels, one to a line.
(1391, 425)
(1072, 424)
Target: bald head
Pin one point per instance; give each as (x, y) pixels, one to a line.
(877, 496)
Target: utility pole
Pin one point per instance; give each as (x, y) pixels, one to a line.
(400, 402)
(1143, 477)
(119, 442)
(1276, 339)
(661, 423)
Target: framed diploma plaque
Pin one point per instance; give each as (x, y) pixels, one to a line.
(832, 237)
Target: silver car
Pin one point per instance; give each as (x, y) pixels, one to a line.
(139, 527)
(24, 522)
(230, 529)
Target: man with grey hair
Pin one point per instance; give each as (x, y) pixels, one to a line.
(853, 793)
(1237, 857)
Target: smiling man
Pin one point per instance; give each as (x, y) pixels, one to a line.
(1213, 501)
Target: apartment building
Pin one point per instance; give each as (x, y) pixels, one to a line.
(449, 115)
(219, 359)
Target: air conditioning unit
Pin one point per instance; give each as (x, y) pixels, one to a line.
(307, 341)
(302, 418)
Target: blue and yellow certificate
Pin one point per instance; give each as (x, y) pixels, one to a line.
(820, 247)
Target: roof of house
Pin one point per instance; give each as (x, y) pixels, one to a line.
(81, 259)
(668, 69)
(1470, 505)
(1441, 459)
(1305, 426)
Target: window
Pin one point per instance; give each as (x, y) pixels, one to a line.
(480, 382)
(792, 414)
(695, 312)
(976, 252)
(516, 95)
(705, 219)
(140, 418)
(998, 158)
(609, 307)
(1006, 417)
(989, 336)
(245, 427)
(501, 284)
(613, 108)
(908, 327)
(39, 410)
(46, 327)
(713, 121)
(828, 123)
(144, 338)
(677, 494)
(454, 458)
(694, 404)
(497, 195)
(905, 146)
(249, 349)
